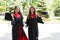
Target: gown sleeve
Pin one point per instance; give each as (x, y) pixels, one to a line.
(22, 20)
(27, 21)
(39, 19)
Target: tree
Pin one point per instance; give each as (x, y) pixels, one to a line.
(57, 10)
(42, 9)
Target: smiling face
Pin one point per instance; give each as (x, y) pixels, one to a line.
(16, 9)
(32, 10)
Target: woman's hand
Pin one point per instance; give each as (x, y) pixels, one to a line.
(26, 26)
(12, 16)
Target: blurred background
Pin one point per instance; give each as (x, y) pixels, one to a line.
(49, 10)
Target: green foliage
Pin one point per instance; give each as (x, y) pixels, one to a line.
(54, 5)
(57, 10)
(2, 6)
(24, 4)
(41, 7)
(2, 9)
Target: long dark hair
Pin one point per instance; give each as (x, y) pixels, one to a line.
(19, 10)
(30, 11)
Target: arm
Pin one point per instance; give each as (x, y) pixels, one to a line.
(12, 16)
(39, 19)
(22, 20)
(13, 21)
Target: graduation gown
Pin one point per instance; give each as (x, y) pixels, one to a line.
(17, 29)
(33, 27)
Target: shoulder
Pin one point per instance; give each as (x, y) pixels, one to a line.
(38, 17)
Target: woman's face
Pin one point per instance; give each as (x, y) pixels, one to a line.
(32, 10)
(17, 10)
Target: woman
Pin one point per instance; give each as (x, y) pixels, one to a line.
(31, 21)
(17, 29)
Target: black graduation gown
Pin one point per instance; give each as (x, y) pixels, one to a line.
(33, 27)
(17, 30)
